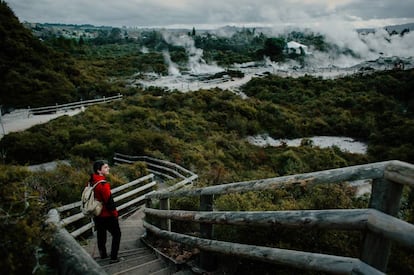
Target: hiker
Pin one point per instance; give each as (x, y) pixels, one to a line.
(108, 218)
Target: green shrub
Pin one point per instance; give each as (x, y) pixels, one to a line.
(92, 149)
(21, 220)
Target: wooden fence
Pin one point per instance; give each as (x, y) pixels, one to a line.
(132, 195)
(70, 223)
(162, 168)
(71, 257)
(70, 106)
(377, 223)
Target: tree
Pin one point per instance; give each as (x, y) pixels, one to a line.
(115, 35)
(274, 47)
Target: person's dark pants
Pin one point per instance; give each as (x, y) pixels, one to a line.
(103, 224)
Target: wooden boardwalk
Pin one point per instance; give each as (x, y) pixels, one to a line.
(136, 257)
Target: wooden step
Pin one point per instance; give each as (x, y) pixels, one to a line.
(127, 254)
(164, 271)
(127, 243)
(144, 269)
(128, 263)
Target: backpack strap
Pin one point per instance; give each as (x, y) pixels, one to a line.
(98, 182)
(101, 181)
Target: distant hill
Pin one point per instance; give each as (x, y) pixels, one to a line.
(392, 28)
(400, 28)
(31, 74)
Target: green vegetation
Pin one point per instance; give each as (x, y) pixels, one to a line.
(207, 126)
(25, 199)
(33, 74)
(53, 69)
(204, 131)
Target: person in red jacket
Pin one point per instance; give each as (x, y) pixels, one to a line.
(108, 219)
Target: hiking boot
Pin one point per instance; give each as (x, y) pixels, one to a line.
(117, 260)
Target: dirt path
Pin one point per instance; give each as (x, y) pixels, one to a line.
(20, 121)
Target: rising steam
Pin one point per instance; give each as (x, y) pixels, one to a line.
(196, 64)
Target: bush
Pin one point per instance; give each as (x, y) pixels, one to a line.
(21, 219)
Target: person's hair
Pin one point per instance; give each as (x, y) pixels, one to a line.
(97, 165)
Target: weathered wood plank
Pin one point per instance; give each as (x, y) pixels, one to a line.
(81, 230)
(351, 219)
(207, 259)
(351, 173)
(391, 228)
(72, 219)
(169, 170)
(115, 190)
(340, 219)
(385, 197)
(163, 175)
(297, 259)
(150, 162)
(69, 206)
(181, 184)
(135, 191)
(73, 259)
(132, 183)
(133, 202)
(165, 223)
(400, 172)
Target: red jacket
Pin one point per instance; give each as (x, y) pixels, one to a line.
(103, 194)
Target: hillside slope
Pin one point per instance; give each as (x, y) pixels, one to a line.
(31, 73)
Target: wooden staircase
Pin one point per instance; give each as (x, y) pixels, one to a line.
(136, 257)
(378, 224)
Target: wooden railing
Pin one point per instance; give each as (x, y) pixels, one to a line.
(71, 257)
(70, 223)
(73, 105)
(162, 168)
(131, 195)
(377, 223)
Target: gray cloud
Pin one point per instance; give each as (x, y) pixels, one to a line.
(213, 13)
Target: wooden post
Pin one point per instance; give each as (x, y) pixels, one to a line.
(148, 203)
(165, 223)
(385, 197)
(207, 259)
(71, 257)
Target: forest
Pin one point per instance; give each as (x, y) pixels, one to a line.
(205, 131)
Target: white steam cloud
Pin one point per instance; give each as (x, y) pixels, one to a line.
(196, 63)
(172, 67)
(365, 46)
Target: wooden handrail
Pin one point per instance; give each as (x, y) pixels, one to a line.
(351, 173)
(72, 105)
(298, 259)
(159, 167)
(119, 193)
(77, 260)
(72, 258)
(379, 223)
(342, 219)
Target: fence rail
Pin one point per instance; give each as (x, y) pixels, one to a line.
(127, 192)
(72, 105)
(298, 259)
(73, 259)
(161, 168)
(377, 223)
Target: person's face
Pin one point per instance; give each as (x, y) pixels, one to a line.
(104, 170)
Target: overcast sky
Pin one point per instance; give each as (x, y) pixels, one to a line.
(215, 13)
